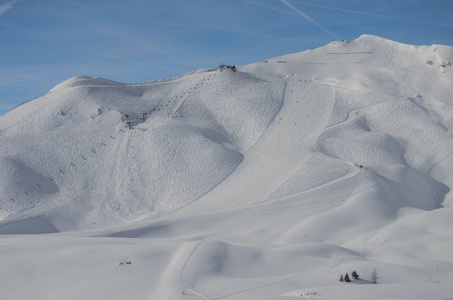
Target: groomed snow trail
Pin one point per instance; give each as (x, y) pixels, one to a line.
(277, 154)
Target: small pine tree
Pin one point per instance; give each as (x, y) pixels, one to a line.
(355, 275)
(346, 278)
(341, 278)
(374, 277)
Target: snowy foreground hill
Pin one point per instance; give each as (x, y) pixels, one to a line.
(266, 183)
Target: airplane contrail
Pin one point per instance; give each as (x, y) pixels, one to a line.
(309, 19)
(269, 7)
(369, 14)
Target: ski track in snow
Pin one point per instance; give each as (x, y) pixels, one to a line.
(353, 113)
(380, 237)
(356, 170)
(257, 288)
(167, 107)
(437, 163)
(181, 275)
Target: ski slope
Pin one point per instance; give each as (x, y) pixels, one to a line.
(266, 183)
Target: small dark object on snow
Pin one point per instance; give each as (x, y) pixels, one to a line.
(232, 68)
(223, 67)
(374, 277)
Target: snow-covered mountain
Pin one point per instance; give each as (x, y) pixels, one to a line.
(267, 182)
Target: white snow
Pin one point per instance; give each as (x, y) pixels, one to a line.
(266, 183)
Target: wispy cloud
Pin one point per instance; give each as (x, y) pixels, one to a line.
(241, 31)
(264, 35)
(269, 7)
(370, 14)
(309, 19)
(7, 6)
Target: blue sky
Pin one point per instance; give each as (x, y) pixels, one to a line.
(45, 42)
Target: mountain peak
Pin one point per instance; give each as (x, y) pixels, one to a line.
(372, 37)
(84, 81)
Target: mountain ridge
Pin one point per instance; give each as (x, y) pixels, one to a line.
(269, 181)
(149, 106)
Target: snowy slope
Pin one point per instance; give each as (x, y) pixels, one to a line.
(265, 183)
(76, 161)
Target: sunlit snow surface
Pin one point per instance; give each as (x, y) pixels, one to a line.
(266, 183)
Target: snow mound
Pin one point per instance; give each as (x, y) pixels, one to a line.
(140, 150)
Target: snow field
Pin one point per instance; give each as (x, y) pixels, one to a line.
(268, 183)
